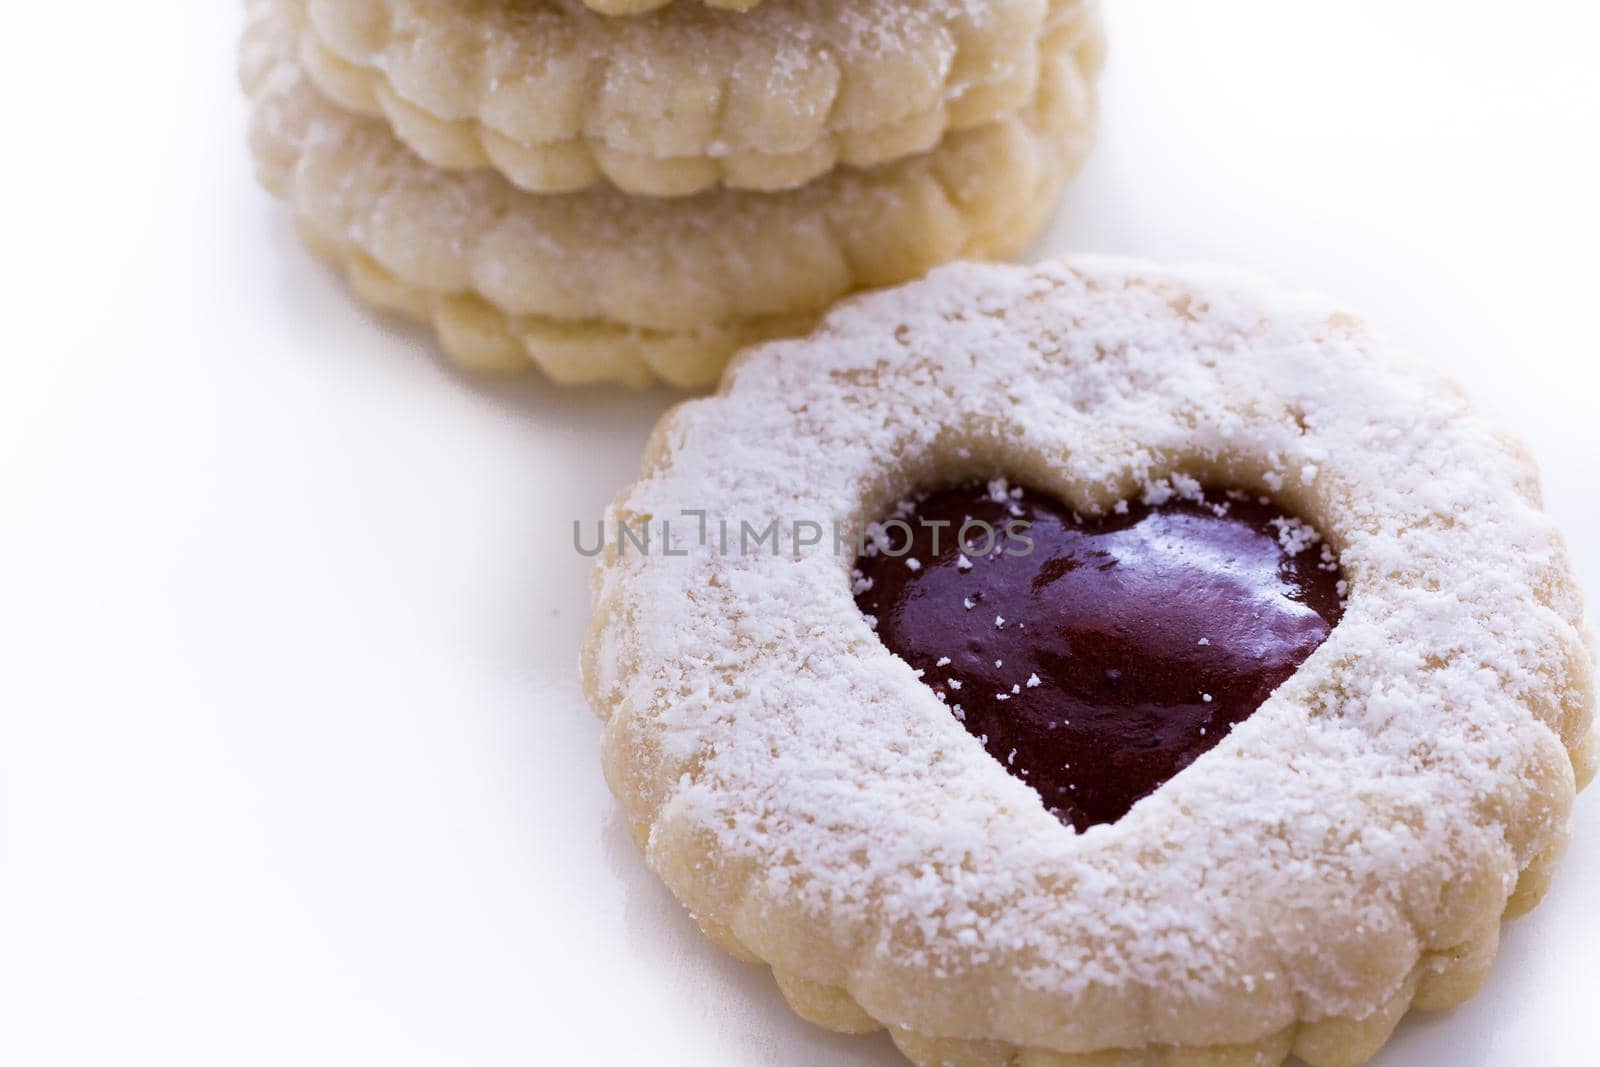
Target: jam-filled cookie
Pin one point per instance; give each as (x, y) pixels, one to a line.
(1093, 664)
(600, 286)
(556, 97)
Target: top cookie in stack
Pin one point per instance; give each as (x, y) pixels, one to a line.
(626, 199)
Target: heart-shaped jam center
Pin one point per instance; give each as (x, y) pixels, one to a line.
(1095, 658)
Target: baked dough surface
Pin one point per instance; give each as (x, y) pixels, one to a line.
(599, 286)
(638, 7)
(556, 97)
(1346, 853)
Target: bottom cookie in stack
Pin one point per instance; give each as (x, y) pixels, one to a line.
(598, 286)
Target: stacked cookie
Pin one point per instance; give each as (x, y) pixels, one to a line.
(633, 198)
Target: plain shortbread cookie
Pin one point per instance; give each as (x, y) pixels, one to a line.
(556, 97)
(1346, 853)
(597, 286)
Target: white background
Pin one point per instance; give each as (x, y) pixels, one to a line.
(295, 763)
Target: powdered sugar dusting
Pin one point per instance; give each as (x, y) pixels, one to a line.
(780, 93)
(505, 275)
(802, 787)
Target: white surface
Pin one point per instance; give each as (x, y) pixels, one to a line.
(295, 765)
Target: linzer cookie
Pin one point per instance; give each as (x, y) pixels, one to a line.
(1093, 663)
(600, 286)
(557, 97)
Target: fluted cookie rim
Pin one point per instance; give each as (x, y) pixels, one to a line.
(560, 142)
(677, 662)
(988, 189)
